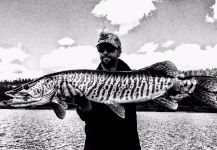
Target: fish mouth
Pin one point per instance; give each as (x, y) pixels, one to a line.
(17, 101)
(10, 93)
(18, 95)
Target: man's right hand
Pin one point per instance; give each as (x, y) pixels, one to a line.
(68, 92)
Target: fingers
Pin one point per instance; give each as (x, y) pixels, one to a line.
(68, 90)
(60, 95)
(71, 89)
(65, 89)
(79, 92)
(74, 92)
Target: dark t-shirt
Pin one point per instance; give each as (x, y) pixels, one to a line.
(105, 130)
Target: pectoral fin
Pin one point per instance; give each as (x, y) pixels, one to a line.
(59, 107)
(117, 108)
(60, 102)
(59, 110)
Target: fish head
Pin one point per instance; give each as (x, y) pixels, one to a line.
(38, 92)
(32, 92)
(19, 94)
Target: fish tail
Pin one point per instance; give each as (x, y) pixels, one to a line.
(206, 90)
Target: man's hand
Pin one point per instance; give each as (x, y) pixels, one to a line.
(68, 92)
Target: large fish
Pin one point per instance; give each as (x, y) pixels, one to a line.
(159, 82)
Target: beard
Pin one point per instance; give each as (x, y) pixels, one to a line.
(108, 61)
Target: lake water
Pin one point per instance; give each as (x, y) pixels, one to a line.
(41, 129)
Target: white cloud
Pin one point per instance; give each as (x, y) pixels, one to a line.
(122, 12)
(10, 54)
(209, 19)
(9, 67)
(212, 18)
(186, 57)
(12, 66)
(66, 41)
(167, 43)
(79, 57)
(148, 48)
(215, 10)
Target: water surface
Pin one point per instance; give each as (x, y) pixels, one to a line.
(41, 129)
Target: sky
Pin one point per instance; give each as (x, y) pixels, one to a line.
(46, 36)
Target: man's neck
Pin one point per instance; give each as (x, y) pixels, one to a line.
(110, 68)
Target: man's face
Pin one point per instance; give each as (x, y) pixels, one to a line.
(108, 54)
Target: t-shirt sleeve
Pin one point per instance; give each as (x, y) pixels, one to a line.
(83, 115)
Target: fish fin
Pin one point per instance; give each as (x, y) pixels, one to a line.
(206, 91)
(59, 110)
(179, 97)
(59, 107)
(64, 104)
(207, 83)
(164, 68)
(208, 98)
(117, 108)
(167, 102)
(58, 101)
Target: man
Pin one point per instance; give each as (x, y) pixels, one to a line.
(104, 129)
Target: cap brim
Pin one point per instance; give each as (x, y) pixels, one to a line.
(108, 43)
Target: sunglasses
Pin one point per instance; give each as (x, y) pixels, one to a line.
(108, 48)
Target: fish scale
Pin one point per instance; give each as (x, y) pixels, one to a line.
(157, 81)
(116, 85)
(104, 93)
(97, 87)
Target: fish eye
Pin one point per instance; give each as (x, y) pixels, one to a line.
(26, 87)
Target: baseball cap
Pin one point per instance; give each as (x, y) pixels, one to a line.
(111, 38)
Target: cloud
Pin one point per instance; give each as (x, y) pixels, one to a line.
(213, 17)
(148, 48)
(77, 57)
(10, 54)
(9, 57)
(215, 10)
(209, 19)
(16, 61)
(185, 56)
(12, 64)
(122, 12)
(66, 41)
(167, 44)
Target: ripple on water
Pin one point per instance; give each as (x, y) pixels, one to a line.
(177, 130)
(2, 134)
(41, 129)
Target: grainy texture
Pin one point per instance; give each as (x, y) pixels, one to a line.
(41, 129)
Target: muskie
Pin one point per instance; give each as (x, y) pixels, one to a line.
(159, 82)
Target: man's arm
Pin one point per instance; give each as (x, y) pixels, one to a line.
(84, 106)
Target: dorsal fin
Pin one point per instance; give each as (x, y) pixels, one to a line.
(164, 68)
